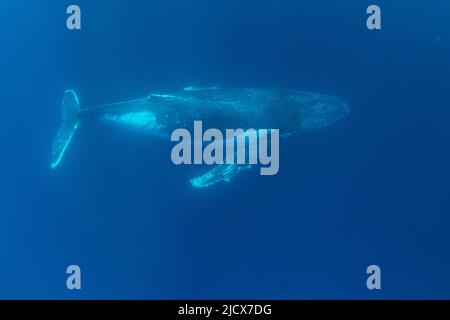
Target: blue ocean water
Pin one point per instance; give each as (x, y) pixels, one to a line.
(371, 189)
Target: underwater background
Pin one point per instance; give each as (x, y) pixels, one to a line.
(374, 188)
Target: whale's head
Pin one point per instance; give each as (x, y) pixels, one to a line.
(319, 111)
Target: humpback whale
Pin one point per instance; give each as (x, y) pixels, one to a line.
(290, 111)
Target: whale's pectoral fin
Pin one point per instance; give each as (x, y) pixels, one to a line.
(221, 172)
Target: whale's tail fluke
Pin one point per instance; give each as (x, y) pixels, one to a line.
(70, 105)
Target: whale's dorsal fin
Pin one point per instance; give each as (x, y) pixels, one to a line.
(194, 88)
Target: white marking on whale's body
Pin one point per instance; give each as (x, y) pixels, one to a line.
(144, 120)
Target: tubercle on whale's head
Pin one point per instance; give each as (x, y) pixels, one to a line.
(319, 111)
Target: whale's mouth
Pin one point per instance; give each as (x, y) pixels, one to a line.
(319, 111)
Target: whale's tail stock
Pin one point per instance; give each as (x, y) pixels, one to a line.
(70, 105)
